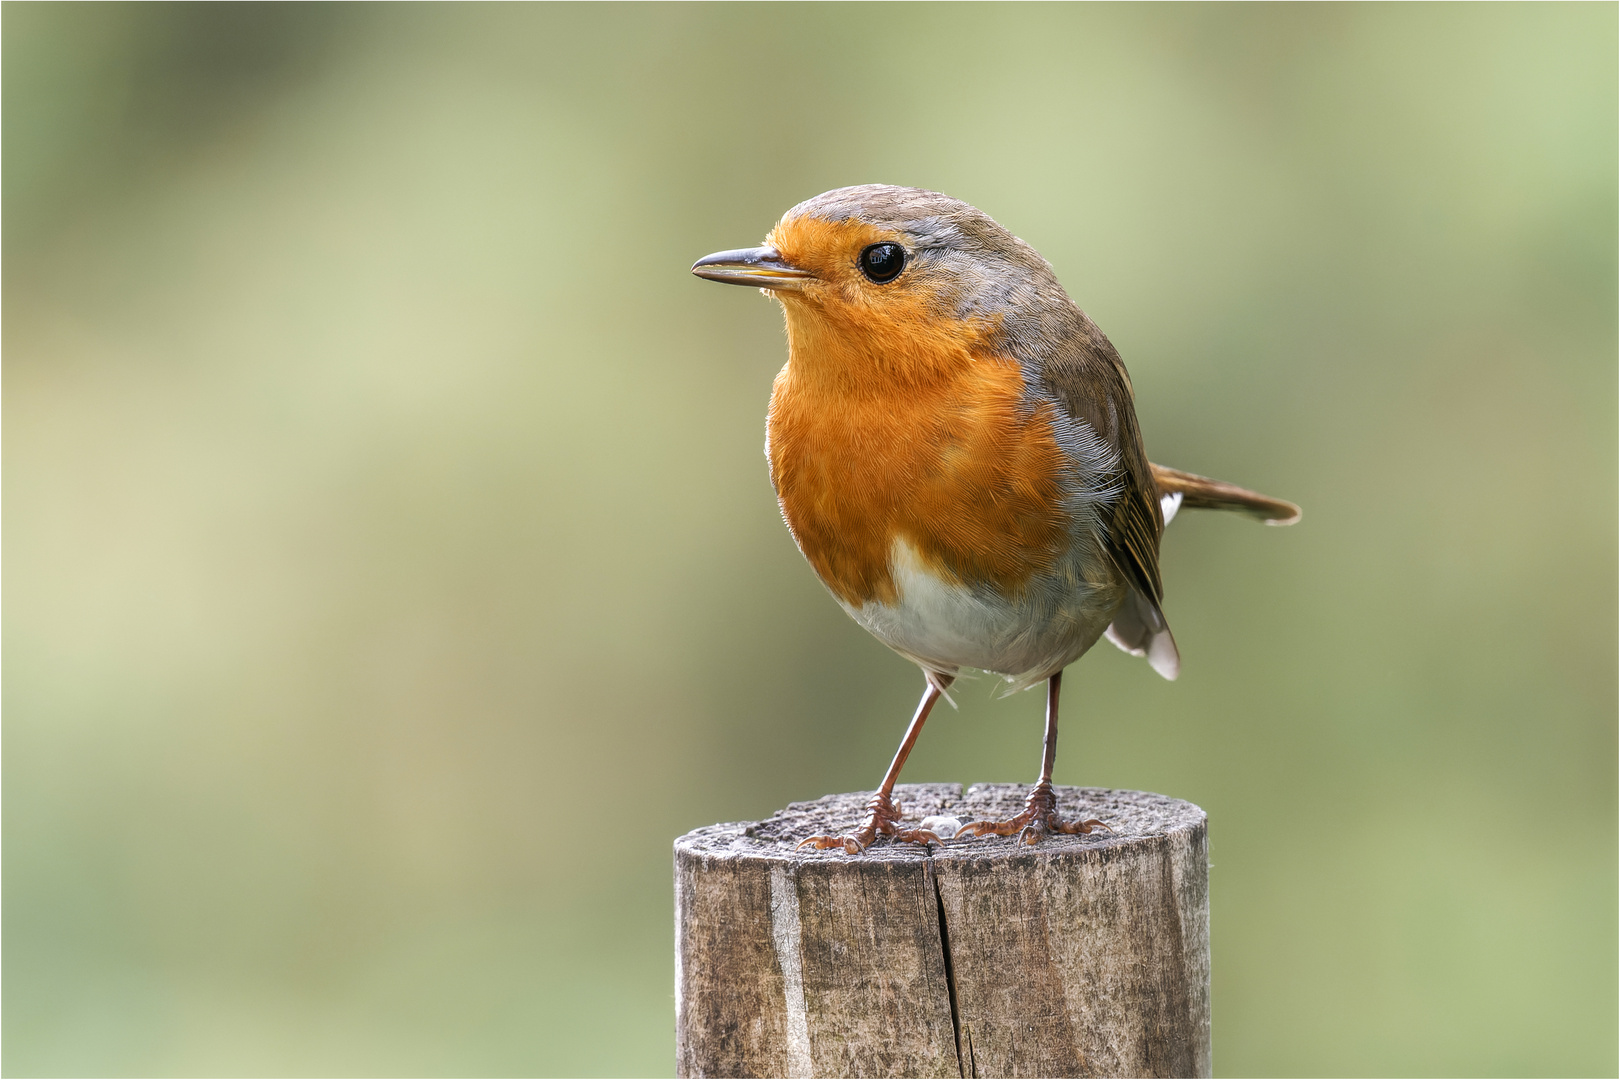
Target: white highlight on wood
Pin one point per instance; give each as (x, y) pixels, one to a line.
(785, 936)
(680, 955)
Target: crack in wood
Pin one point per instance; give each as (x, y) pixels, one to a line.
(950, 970)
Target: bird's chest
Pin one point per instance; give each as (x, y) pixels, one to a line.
(963, 472)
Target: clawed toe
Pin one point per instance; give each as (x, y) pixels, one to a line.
(883, 819)
(852, 844)
(1039, 817)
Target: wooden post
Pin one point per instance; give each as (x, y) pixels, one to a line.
(1078, 956)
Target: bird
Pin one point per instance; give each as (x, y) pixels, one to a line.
(954, 448)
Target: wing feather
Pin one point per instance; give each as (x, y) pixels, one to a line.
(1090, 383)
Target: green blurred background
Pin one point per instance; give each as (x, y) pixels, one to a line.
(392, 571)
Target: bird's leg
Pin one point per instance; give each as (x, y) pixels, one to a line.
(883, 816)
(1040, 808)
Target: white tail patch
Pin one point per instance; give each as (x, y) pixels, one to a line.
(1170, 503)
(1139, 628)
(1163, 656)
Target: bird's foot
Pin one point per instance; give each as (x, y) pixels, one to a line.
(882, 818)
(1040, 817)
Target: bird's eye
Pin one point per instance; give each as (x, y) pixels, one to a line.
(883, 262)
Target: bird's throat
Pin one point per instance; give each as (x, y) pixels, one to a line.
(896, 348)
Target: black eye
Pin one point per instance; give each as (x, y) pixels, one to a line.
(883, 262)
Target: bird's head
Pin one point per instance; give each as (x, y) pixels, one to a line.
(897, 283)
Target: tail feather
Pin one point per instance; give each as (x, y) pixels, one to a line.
(1206, 494)
(1139, 628)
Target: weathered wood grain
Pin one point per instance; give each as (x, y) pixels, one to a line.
(1079, 956)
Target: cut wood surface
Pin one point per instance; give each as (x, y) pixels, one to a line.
(1079, 956)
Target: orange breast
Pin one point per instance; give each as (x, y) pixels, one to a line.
(904, 432)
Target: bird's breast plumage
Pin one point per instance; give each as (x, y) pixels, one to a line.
(943, 515)
(960, 469)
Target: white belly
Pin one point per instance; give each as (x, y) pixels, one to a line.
(946, 627)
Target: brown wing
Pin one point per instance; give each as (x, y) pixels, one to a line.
(1204, 493)
(1091, 384)
(1138, 521)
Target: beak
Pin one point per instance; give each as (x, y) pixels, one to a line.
(763, 267)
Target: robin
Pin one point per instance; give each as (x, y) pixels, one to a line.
(954, 447)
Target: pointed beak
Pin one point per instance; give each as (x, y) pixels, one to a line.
(762, 267)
